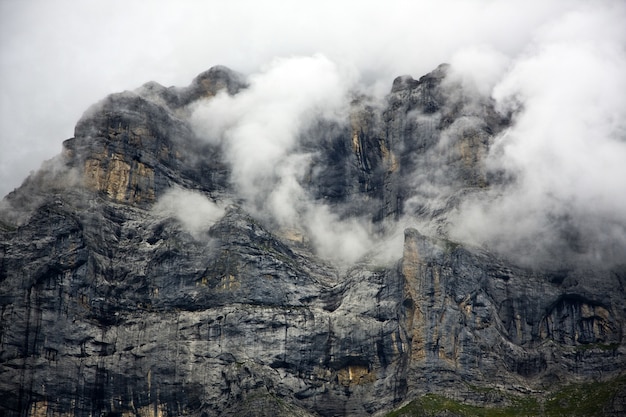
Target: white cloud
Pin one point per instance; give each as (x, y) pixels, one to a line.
(567, 146)
(562, 62)
(342, 241)
(478, 67)
(259, 130)
(195, 212)
(259, 127)
(58, 57)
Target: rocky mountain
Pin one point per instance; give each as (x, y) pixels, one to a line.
(137, 279)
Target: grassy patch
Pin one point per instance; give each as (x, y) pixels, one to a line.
(586, 399)
(411, 409)
(434, 405)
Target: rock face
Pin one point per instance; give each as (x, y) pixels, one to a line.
(134, 145)
(110, 307)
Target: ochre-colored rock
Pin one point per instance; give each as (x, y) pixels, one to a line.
(111, 306)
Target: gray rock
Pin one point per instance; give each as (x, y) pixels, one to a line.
(109, 308)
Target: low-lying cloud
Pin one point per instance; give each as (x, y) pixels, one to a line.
(566, 148)
(557, 67)
(564, 153)
(259, 130)
(259, 127)
(195, 212)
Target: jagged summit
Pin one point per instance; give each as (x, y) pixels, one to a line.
(138, 277)
(134, 145)
(406, 82)
(216, 79)
(205, 85)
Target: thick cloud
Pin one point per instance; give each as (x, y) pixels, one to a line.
(557, 65)
(259, 130)
(566, 149)
(58, 57)
(259, 126)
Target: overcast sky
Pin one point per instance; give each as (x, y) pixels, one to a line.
(60, 56)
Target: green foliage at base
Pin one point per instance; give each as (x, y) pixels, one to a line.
(432, 405)
(586, 399)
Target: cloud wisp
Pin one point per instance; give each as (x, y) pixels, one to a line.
(194, 211)
(57, 58)
(260, 129)
(557, 66)
(566, 148)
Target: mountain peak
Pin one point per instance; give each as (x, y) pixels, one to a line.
(139, 279)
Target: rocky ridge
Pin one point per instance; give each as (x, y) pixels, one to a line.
(112, 308)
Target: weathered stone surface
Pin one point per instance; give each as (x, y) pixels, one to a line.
(111, 308)
(132, 149)
(485, 322)
(177, 324)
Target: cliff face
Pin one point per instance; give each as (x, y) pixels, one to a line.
(111, 305)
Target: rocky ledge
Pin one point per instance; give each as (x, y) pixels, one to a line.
(112, 306)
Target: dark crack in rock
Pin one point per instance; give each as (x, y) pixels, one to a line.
(109, 309)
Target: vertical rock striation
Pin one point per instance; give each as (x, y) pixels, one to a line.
(111, 307)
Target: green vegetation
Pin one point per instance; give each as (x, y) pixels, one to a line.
(432, 405)
(586, 399)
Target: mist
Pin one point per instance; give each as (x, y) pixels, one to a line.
(194, 212)
(57, 58)
(557, 67)
(566, 148)
(260, 129)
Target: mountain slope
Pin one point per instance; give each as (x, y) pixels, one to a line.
(138, 277)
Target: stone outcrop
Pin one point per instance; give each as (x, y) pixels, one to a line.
(134, 145)
(472, 315)
(109, 307)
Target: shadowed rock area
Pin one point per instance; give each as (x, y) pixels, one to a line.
(111, 306)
